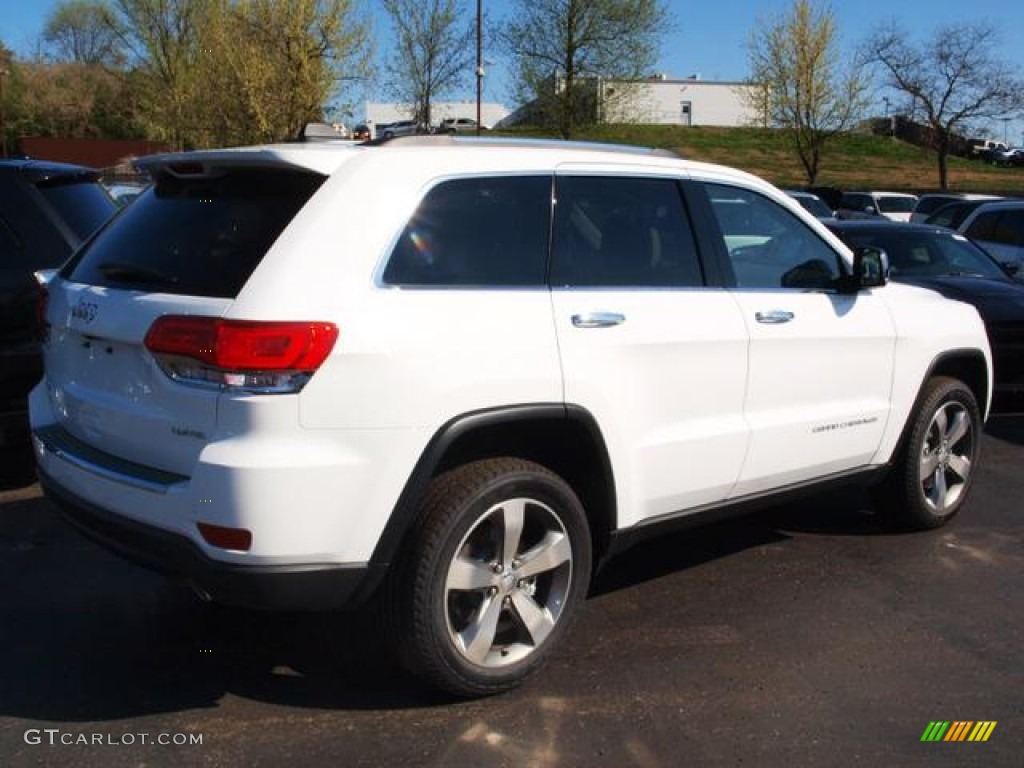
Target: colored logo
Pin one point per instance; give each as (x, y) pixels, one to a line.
(958, 730)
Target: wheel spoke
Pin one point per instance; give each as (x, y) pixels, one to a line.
(960, 428)
(941, 423)
(468, 575)
(513, 514)
(939, 489)
(536, 620)
(929, 463)
(961, 465)
(552, 551)
(478, 637)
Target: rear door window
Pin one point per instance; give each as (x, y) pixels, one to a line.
(196, 236)
(623, 232)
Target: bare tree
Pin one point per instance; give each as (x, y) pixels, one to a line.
(563, 49)
(84, 32)
(433, 52)
(798, 83)
(953, 78)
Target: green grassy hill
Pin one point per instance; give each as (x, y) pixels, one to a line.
(850, 162)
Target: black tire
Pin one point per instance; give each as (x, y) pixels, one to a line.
(466, 628)
(934, 470)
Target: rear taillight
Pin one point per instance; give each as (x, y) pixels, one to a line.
(43, 278)
(266, 357)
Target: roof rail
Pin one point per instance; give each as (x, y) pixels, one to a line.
(448, 140)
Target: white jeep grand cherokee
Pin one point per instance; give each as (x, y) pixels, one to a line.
(511, 360)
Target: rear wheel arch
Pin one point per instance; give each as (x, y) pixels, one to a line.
(564, 439)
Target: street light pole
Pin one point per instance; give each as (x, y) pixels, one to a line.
(479, 62)
(3, 113)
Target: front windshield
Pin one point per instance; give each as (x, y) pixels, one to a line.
(928, 253)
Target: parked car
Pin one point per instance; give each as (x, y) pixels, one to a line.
(362, 132)
(930, 202)
(812, 203)
(952, 215)
(460, 125)
(46, 211)
(892, 205)
(123, 192)
(980, 148)
(489, 395)
(401, 128)
(1009, 157)
(998, 227)
(947, 262)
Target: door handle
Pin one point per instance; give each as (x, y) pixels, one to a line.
(774, 317)
(598, 319)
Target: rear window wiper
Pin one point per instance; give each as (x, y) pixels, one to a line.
(122, 272)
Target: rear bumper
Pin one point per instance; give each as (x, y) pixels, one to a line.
(268, 587)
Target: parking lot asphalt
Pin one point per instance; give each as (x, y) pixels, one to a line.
(806, 635)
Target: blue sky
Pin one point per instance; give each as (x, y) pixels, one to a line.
(708, 40)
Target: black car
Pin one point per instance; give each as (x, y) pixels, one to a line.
(46, 210)
(947, 262)
(952, 215)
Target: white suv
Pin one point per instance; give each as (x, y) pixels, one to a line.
(515, 359)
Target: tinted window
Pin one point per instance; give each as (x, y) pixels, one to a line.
(914, 253)
(932, 203)
(195, 236)
(1009, 229)
(768, 246)
(857, 202)
(83, 206)
(815, 206)
(983, 227)
(618, 231)
(476, 232)
(894, 204)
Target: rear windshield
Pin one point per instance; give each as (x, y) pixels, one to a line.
(83, 205)
(195, 236)
(894, 204)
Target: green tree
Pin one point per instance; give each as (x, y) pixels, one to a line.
(165, 39)
(433, 52)
(798, 83)
(84, 32)
(6, 71)
(215, 72)
(953, 78)
(562, 50)
(275, 64)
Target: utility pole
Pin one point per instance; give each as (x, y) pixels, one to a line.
(4, 72)
(479, 63)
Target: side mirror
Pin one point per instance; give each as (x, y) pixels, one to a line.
(870, 268)
(1012, 268)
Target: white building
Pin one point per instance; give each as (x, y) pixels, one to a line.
(691, 101)
(490, 113)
